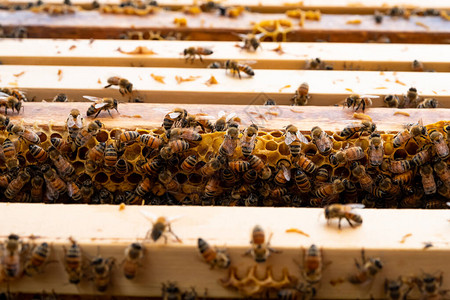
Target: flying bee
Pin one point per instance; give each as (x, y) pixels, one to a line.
(343, 211)
(364, 179)
(64, 168)
(229, 143)
(10, 102)
(248, 140)
(364, 126)
(134, 254)
(376, 149)
(359, 101)
(443, 172)
(391, 101)
(411, 131)
(428, 182)
(397, 289)
(73, 262)
(191, 52)
(214, 257)
(294, 138)
(125, 87)
(429, 285)
(260, 250)
(102, 269)
(171, 291)
(367, 270)
(312, 265)
(301, 95)
(321, 139)
(86, 133)
(428, 103)
(37, 259)
(150, 141)
(251, 41)
(161, 225)
(12, 250)
(441, 147)
(237, 67)
(16, 185)
(74, 123)
(346, 155)
(411, 97)
(25, 134)
(101, 104)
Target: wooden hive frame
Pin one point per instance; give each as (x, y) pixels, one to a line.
(81, 67)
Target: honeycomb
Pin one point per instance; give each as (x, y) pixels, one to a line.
(412, 175)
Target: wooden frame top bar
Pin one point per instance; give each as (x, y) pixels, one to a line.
(342, 56)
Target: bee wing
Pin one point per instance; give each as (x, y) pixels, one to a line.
(247, 62)
(79, 122)
(302, 138)
(1, 98)
(221, 114)
(70, 189)
(351, 206)
(242, 36)
(201, 117)
(92, 98)
(4, 94)
(228, 144)
(174, 115)
(289, 138)
(230, 116)
(70, 121)
(421, 122)
(149, 216)
(100, 105)
(174, 218)
(286, 173)
(163, 110)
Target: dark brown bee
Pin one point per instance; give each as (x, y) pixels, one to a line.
(102, 272)
(321, 139)
(255, 163)
(328, 189)
(428, 182)
(250, 176)
(429, 285)
(359, 101)
(110, 158)
(171, 291)
(173, 147)
(11, 263)
(101, 104)
(151, 167)
(260, 250)
(61, 97)
(37, 183)
(151, 141)
(36, 261)
(251, 41)
(74, 191)
(61, 145)
(341, 211)
(391, 101)
(301, 95)
(167, 179)
(441, 147)
(73, 262)
(74, 123)
(16, 185)
(125, 87)
(133, 257)
(38, 153)
(411, 131)
(123, 167)
(55, 185)
(443, 172)
(230, 141)
(236, 67)
(366, 270)
(213, 257)
(64, 168)
(212, 188)
(428, 103)
(364, 126)
(85, 134)
(421, 157)
(191, 52)
(397, 289)
(10, 102)
(411, 98)
(161, 225)
(87, 190)
(364, 179)
(143, 187)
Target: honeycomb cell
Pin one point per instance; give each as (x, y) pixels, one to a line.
(276, 134)
(284, 149)
(82, 152)
(411, 148)
(341, 172)
(318, 159)
(195, 179)
(310, 149)
(202, 149)
(266, 137)
(132, 152)
(400, 154)
(271, 146)
(181, 178)
(101, 177)
(337, 145)
(388, 148)
(30, 158)
(79, 167)
(363, 143)
(134, 178)
(55, 135)
(116, 179)
(102, 136)
(42, 136)
(115, 133)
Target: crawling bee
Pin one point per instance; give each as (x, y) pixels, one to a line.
(25, 134)
(397, 289)
(315, 64)
(74, 123)
(440, 146)
(411, 97)
(230, 141)
(359, 101)
(346, 155)
(237, 67)
(73, 262)
(214, 257)
(429, 285)
(16, 185)
(260, 250)
(175, 118)
(343, 211)
(321, 139)
(101, 104)
(20, 95)
(161, 225)
(102, 272)
(300, 291)
(367, 270)
(294, 138)
(411, 131)
(443, 172)
(248, 140)
(312, 265)
(37, 260)
(328, 189)
(188, 134)
(417, 66)
(376, 149)
(12, 250)
(224, 121)
(171, 291)
(428, 182)
(428, 103)
(301, 96)
(87, 132)
(364, 126)
(10, 102)
(134, 254)
(125, 87)
(191, 52)
(251, 41)
(364, 179)
(391, 101)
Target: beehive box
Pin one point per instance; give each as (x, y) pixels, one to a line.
(82, 67)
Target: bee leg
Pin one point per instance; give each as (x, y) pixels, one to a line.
(107, 86)
(348, 220)
(176, 237)
(239, 73)
(109, 112)
(339, 225)
(363, 256)
(201, 59)
(97, 113)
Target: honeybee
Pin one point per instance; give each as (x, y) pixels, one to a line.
(305, 164)
(315, 64)
(429, 285)
(237, 67)
(223, 121)
(189, 163)
(73, 262)
(37, 183)
(230, 141)
(294, 138)
(411, 131)
(367, 270)
(417, 66)
(441, 147)
(403, 178)
(166, 178)
(9, 150)
(188, 134)
(428, 103)
(64, 168)
(150, 141)
(301, 95)
(74, 191)
(55, 185)
(421, 157)
(123, 167)
(102, 272)
(248, 140)
(37, 259)
(10, 102)
(251, 41)
(343, 211)
(349, 154)
(74, 123)
(446, 130)
(411, 97)
(328, 189)
(61, 97)
(173, 147)
(215, 65)
(128, 137)
(61, 145)
(442, 172)
(97, 152)
(125, 87)
(312, 265)
(364, 126)
(300, 291)
(256, 163)
(359, 101)
(12, 250)
(391, 101)
(282, 176)
(191, 52)
(413, 198)
(171, 291)
(400, 166)
(321, 139)
(161, 225)
(397, 289)
(214, 257)
(25, 134)
(364, 179)
(101, 104)
(134, 254)
(212, 188)
(151, 167)
(38, 153)
(176, 118)
(20, 95)
(428, 183)
(16, 185)
(376, 149)
(260, 250)
(239, 166)
(86, 133)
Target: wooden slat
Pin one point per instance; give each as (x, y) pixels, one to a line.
(109, 231)
(134, 115)
(342, 56)
(327, 6)
(326, 87)
(332, 28)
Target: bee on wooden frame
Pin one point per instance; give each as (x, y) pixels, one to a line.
(101, 104)
(161, 225)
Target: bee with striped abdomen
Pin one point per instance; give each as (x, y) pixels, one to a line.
(214, 257)
(343, 211)
(260, 250)
(428, 103)
(101, 104)
(125, 86)
(321, 139)
(294, 139)
(173, 147)
(74, 123)
(302, 181)
(87, 132)
(366, 270)
(64, 167)
(25, 134)
(312, 265)
(376, 149)
(191, 52)
(11, 257)
(230, 142)
(364, 126)
(73, 262)
(16, 185)
(248, 140)
(443, 172)
(364, 179)
(176, 118)
(346, 155)
(38, 153)
(428, 182)
(411, 131)
(440, 146)
(189, 163)
(237, 67)
(134, 254)
(301, 95)
(161, 225)
(359, 101)
(10, 102)
(102, 269)
(36, 192)
(251, 41)
(37, 259)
